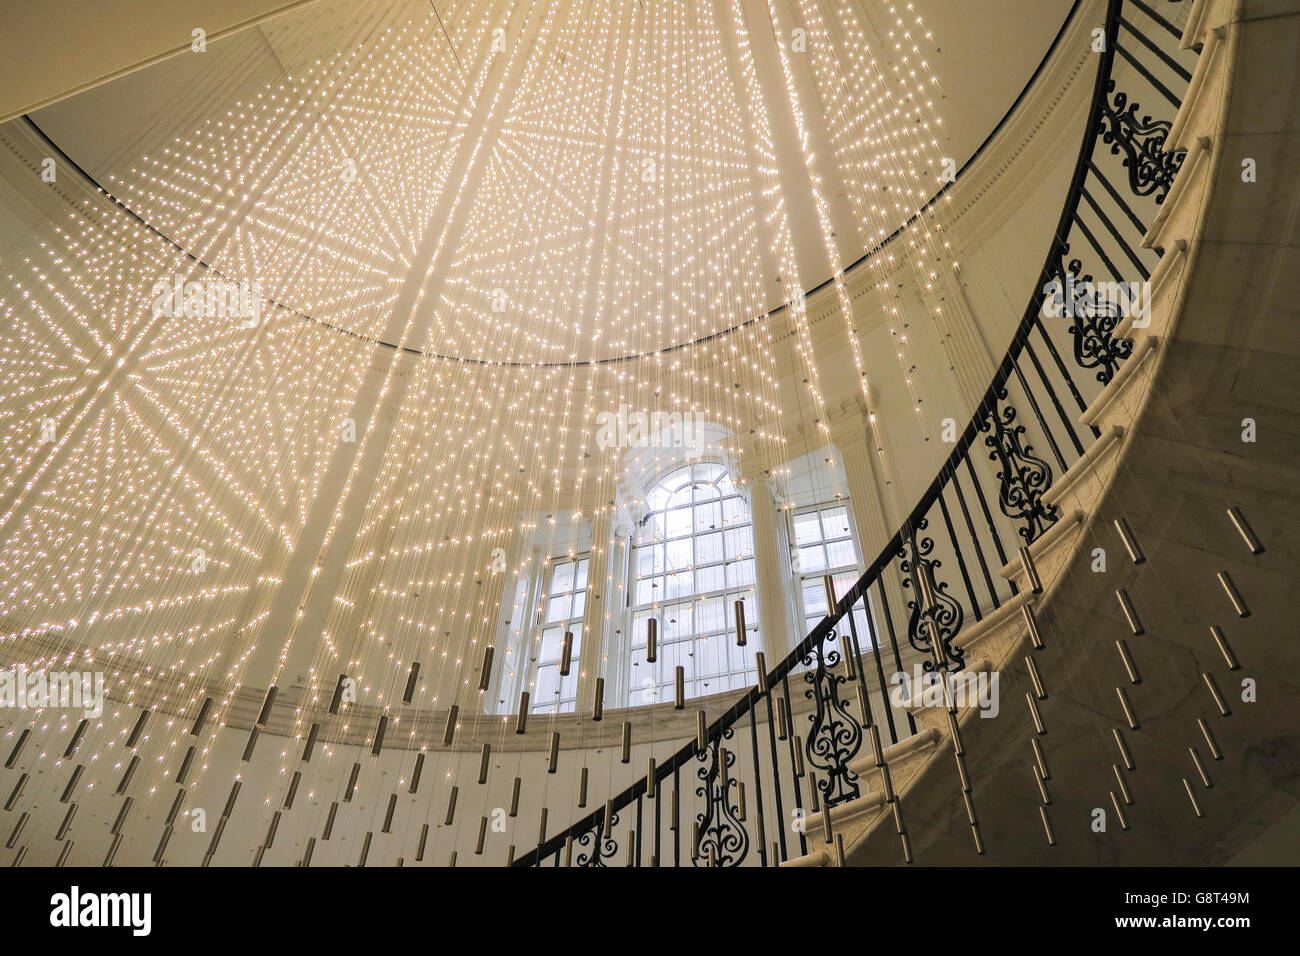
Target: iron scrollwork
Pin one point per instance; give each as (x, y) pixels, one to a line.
(722, 837)
(835, 735)
(1141, 142)
(593, 847)
(1022, 476)
(928, 621)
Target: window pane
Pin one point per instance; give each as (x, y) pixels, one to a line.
(562, 578)
(841, 553)
(677, 522)
(579, 605)
(547, 683)
(552, 638)
(812, 560)
(679, 554)
(711, 579)
(835, 523)
(708, 517)
(557, 608)
(807, 528)
(678, 585)
(708, 548)
(740, 573)
(580, 580)
(649, 590)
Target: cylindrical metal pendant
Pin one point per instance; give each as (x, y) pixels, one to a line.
(112, 850)
(672, 810)
(451, 806)
(126, 777)
(19, 856)
(379, 735)
(740, 802)
(293, 789)
(582, 788)
(514, 796)
(63, 854)
(352, 783)
(1119, 811)
(415, 774)
(72, 783)
(1214, 692)
(1126, 605)
(631, 851)
(740, 624)
(177, 802)
(961, 774)
(161, 848)
(275, 825)
(826, 825)
(1187, 785)
(424, 839)
(679, 688)
(626, 755)
(1042, 786)
(252, 742)
(75, 742)
(451, 861)
(67, 822)
(955, 732)
(1031, 570)
(365, 849)
(864, 706)
(329, 821)
(701, 731)
(1244, 529)
(566, 654)
(1209, 739)
(979, 842)
(907, 848)
(598, 705)
(798, 756)
(541, 828)
(1123, 785)
(204, 709)
(555, 752)
(1047, 826)
(1238, 602)
(651, 785)
(485, 672)
(651, 640)
(839, 849)
(311, 743)
(1217, 633)
(16, 792)
(267, 704)
(877, 748)
(897, 807)
(184, 770)
(887, 780)
(760, 665)
(521, 721)
(1031, 624)
(1034, 676)
(1200, 768)
(18, 748)
(510, 856)
(337, 699)
(388, 815)
(782, 720)
(813, 792)
(609, 818)
(138, 729)
(1040, 759)
(1127, 658)
(1128, 709)
(412, 678)
(121, 815)
(828, 584)
(1130, 541)
(449, 731)
(970, 806)
(1123, 750)
(484, 762)
(1033, 712)
(482, 836)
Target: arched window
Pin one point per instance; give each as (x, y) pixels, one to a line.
(692, 559)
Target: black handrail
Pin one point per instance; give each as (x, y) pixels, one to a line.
(1108, 122)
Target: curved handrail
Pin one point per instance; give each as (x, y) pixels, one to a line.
(1105, 123)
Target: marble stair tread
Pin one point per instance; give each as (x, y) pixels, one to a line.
(1044, 543)
(1108, 441)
